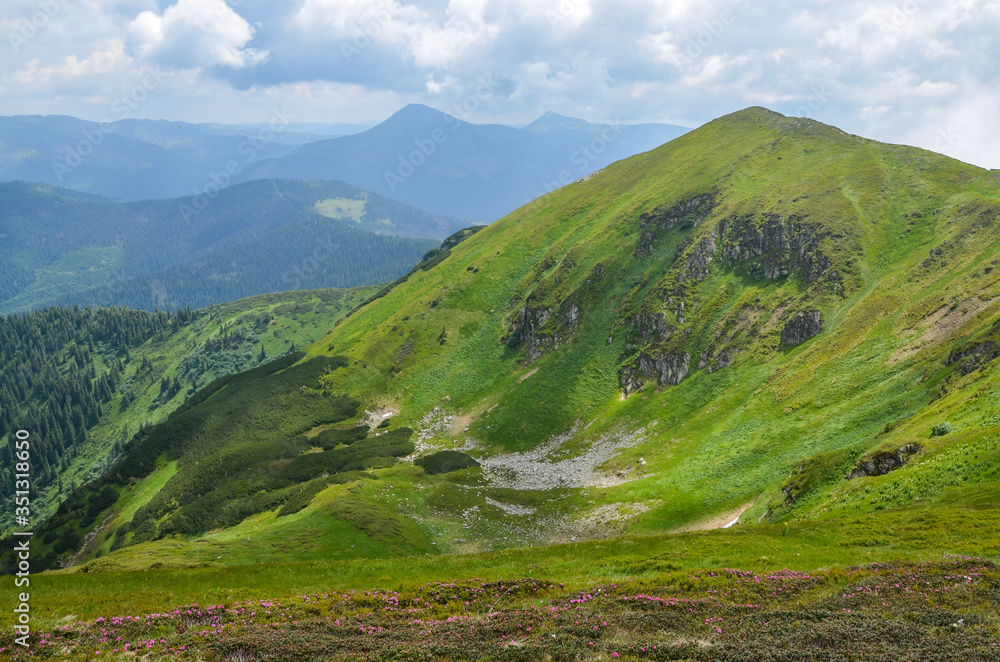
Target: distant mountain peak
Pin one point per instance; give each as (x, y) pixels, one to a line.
(552, 119)
(418, 112)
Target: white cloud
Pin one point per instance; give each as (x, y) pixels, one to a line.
(412, 31)
(894, 70)
(873, 112)
(193, 34)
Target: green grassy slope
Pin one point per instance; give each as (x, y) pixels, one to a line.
(724, 329)
(690, 261)
(701, 596)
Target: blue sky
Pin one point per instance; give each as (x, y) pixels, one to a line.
(912, 71)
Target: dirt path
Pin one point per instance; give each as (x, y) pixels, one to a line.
(721, 521)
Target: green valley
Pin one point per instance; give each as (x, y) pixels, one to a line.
(139, 376)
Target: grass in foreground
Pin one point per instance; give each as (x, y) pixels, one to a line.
(933, 611)
(657, 566)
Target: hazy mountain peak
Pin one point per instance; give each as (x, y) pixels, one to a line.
(552, 120)
(418, 112)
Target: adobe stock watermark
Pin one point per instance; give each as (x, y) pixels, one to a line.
(714, 28)
(250, 149)
(408, 163)
(945, 138)
(368, 28)
(582, 159)
(899, 16)
(817, 99)
(22, 538)
(564, 12)
(93, 138)
(30, 26)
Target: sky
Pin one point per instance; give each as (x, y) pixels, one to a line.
(913, 71)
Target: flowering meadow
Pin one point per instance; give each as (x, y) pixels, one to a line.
(946, 610)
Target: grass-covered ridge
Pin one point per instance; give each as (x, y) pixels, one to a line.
(763, 321)
(771, 292)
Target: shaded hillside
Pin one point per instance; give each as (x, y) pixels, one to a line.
(62, 247)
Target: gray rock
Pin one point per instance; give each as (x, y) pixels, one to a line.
(974, 356)
(882, 463)
(802, 326)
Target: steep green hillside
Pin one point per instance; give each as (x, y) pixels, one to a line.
(65, 248)
(85, 381)
(736, 321)
(763, 321)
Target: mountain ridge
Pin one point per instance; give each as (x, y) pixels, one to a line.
(135, 159)
(64, 247)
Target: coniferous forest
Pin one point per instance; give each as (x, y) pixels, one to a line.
(59, 369)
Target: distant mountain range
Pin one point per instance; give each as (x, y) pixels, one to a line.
(138, 159)
(420, 156)
(437, 162)
(65, 247)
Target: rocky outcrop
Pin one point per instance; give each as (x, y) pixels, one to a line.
(700, 259)
(723, 359)
(668, 369)
(541, 328)
(685, 214)
(974, 357)
(882, 462)
(802, 326)
(774, 247)
(528, 330)
(652, 328)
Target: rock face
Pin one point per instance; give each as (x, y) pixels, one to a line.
(669, 369)
(722, 360)
(763, 246)
(974, 356)
(685, 214)
(544, 327)
(700, 259)
(665, 369)
(529, 324)
(775, 247)
(882, 463)
(658, 329)
(802, 326)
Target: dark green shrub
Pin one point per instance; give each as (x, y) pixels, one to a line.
(144, 532)
(444, 462)
(332, 438)
(101, 500)
(941, 429)
(303, 496)
(70, 540)
(360, 455)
